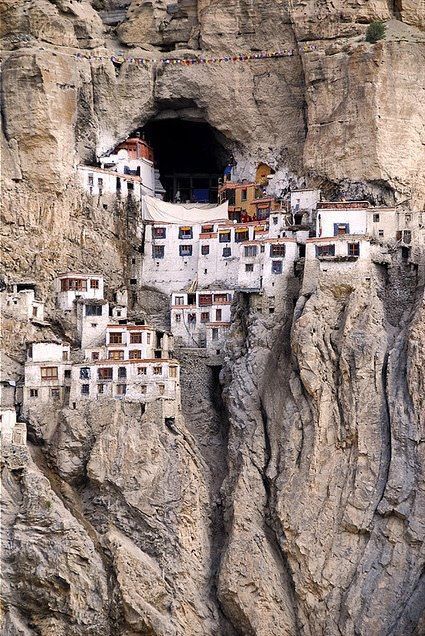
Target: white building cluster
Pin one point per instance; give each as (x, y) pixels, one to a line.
(116, 359)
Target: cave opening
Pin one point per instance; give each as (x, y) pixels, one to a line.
(190, 156)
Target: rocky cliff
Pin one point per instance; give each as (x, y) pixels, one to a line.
(288, 498)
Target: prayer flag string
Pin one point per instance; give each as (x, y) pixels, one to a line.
(189, 61)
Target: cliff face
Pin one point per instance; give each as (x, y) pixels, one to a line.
(288, 498)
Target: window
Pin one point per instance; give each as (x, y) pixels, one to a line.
(249, 267)
(135, 354)
(185, 250)
(118, 354)
(157, 370)
(250, 250)
(207, 229)
(159, 232)
(121, 389)
(325, 250)
(178, 317)
(341, 228)
(105, 373)
(67, 374)
(73, 284)
(353, 249)
(93, 310)
(205, 300)
(205, 316)
(381, 233)
(227, 251)
(243, 195)
(224, 237)
(191, 318)
(142, 370)
(135, 337)
(94, 283)
(262, 249)
(218, 315)
(158, 251)
(55, 393)
(161, 389)
(214, 333)
(133, 281)
(276, 267)
(185, 233)
(148, 338)
(115, 338)
(34, 311)
(275, 219)
(376, 218)
(84, 373)
(122, 372)
(85, 389)
(277, 250)
(143, 388)
(172, 372)
(101, 388)
(220, 298)
(91, 179)
(93, 324)
(49, 373)
(205, 249)
(95, 355)
(407, 236)
(65, 355)
(241, 235)
(179, 300)
(33, 393)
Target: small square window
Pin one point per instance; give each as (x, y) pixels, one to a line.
(158, 251)
(205, 316)
(55, 393)
(95, 355)
(185, 250)
(33, 393)
(178, 317)
(353, 249)
(133, 281)
(276, 267)
(94, 283)
(141, 370)
(101, 388)
(67, 374)
(135, 337)
(185, 233)
(205, 249)
(376, 218)
(249, 267)
(227, 251)
(85, 389)
(122, 372)
(159, 232)
(157, 370)
(135, 354)
(172, 372)
(381, 233)
(275, 220)
(121, 389)
(115, 338)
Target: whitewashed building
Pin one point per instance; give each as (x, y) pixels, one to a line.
(72, 286)
(201, 318)
(11, 431)
(304, 204)
(22, 305)
(92, 321)
(265, 265)
(47, 373)
(135, 380)
(357, 217)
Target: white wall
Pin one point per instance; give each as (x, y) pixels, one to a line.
(48, 352)
(7, 424)
(22, 305)
(92, 329)
(193, 333)
(97, 182)
(356, 219)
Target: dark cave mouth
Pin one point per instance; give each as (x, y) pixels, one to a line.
(190, 156)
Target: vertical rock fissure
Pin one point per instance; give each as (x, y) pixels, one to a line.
(272, 527)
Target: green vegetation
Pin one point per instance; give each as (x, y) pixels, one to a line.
(375, 31)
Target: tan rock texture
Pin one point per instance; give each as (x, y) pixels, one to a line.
(288, 498)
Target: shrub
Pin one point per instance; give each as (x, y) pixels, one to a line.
(375, 31)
